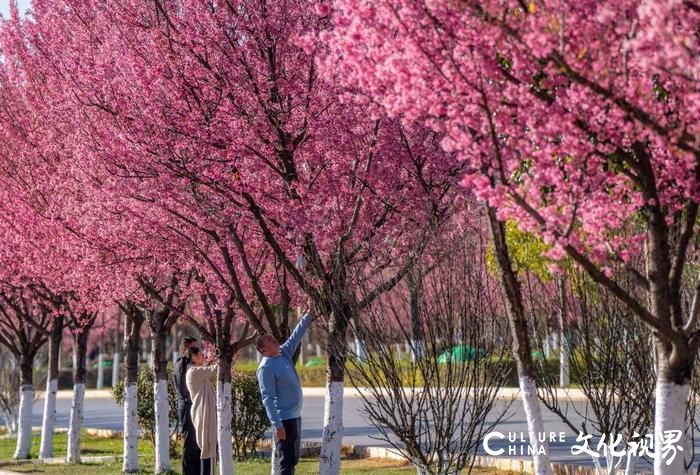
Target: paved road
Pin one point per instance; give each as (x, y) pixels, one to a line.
(103, 413)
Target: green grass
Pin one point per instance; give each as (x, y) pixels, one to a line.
(91, 446)
(254, 467)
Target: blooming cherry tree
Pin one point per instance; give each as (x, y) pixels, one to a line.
(209, 122)
(577, 119)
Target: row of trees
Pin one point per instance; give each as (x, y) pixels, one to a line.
(234, 160)
(190, 159)
(456, 319)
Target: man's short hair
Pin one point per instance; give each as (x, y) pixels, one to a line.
(186, 342)
(261, 339)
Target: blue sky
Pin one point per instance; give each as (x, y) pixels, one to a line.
(5, 6)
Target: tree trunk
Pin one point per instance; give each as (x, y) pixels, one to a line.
(512, 298)
(100, 370)
(49, 419)
(132, 336)
(75, 424)
(74, 355)
(360, 349)
(333, 410)
(131, 429)
(76, 410)
(631, 465)
(224, 414)
(275, 466)
(414, 281)
(564, 363)
(116, 357)
(672, 389)
(564, 350)
(11, 422)
(26, 401)
(160, 398)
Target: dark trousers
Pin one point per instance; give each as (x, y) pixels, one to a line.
(190, 450)
(288, 449)
(207, 468)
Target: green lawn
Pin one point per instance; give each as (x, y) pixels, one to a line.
(255, 467)
(91, 446)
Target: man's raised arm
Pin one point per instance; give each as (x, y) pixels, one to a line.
(294, 339)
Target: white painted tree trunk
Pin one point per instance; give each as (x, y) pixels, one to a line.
(75, 423)
(669, 415)
(149, 360)
(598, 467)
(564, 361)
(556, 340)
(631, 466)
(116, 361)
(11, 422)
(416, 350)
(535, 425)
(360, 349)
(131, 430)
(223, 431)
(318, 350)
(160, 398)
(49, 420)
(332, 429)
(275, 467)
(176, 355)
(100, 371)
(24, 436)
(421, 470)
(14, 421)
(398, 351)
(611, 462)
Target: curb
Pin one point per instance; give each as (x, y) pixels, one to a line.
(571, 394)
(89, 393)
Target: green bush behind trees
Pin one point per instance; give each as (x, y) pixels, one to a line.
(146, 412)
(249, 420)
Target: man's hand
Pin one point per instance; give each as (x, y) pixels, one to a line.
(281, 434)
(311, 310)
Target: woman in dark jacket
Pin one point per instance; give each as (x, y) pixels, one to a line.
(191, 455)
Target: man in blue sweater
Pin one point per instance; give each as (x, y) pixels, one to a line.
(280, 389)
